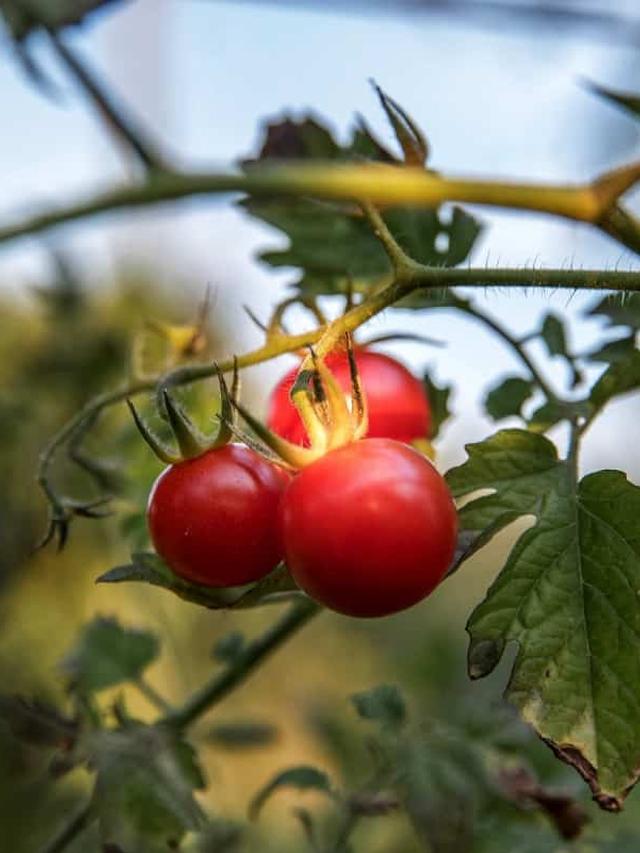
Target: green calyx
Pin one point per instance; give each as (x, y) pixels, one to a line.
(190, 440)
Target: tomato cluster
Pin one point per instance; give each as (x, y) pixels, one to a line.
(367, 529)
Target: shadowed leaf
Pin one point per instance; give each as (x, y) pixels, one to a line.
(302, 778)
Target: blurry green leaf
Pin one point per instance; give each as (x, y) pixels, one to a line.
(22, 17)
(242, 734)
(621, 309)
(36, 722)
(438, 397)
(383, 704)
(332, 243)
(302, 778)
(107, 654)
(439, 777)
(613, 351)
(229, 647)
(149, 568)
(508, 397)
(619, 378)
(545, 416)
(143, 795)
(554, 335)
(565, 596)
(627, 100)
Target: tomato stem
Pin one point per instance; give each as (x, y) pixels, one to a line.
(235, 673)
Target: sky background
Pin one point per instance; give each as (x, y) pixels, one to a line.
(496, 100)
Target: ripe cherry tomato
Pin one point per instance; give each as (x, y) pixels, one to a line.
(398, 406)
(368, 529)
(213, 519)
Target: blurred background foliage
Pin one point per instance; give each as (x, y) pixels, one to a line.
(61, 344)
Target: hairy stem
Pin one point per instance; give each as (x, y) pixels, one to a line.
(378, 184)
(235, 673)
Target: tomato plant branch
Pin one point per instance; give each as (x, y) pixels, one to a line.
(326, 337)
(235, 673)
(114, 117)
(380, 184)
(69, 833)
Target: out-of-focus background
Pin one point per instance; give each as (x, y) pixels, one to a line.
(499, 89)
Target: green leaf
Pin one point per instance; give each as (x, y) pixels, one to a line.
(620, 309)
(568, 596)
(619, 378)
(508, 397)
(332, 243)
(22, 18)
(107, 654)
(438, 397)
(628, 101)
(554, 335)
(545, 416)
(613, 351)
(383, 704)
(143, 795)
(242, 734)
(302, 778)
(147, 567)
(229, 647)
(439, 777)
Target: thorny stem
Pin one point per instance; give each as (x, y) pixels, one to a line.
(380, 184)
(69, 832)
(113, 115)
(255, 652)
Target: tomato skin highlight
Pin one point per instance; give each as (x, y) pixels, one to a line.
(213, 519)
(397, 402)
(369, 529)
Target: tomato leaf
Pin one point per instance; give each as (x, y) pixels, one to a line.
(107, 654)
(508, 397)
(619, 378)
(143, 795)
(149, 568)
(438, 396)
(620, 309)
(383, 704)
(554, 335)
(613, 351)
(332, 243)
(303, 778)
(567, 596)
(229, 647)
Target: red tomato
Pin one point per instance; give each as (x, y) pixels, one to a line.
(368, 529)
(213, 519)
(398, 406)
